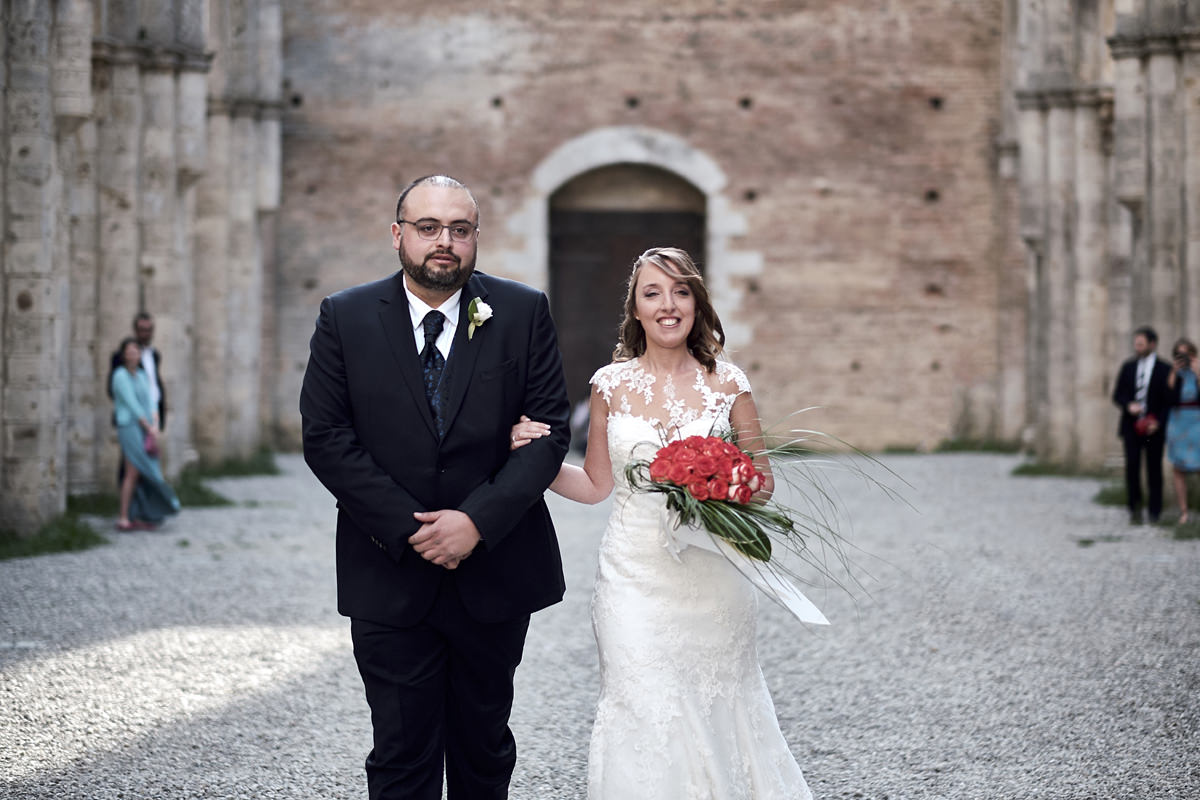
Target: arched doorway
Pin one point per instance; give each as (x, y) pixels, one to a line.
(600, 221)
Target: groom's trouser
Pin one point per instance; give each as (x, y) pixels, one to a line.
(440, 692)
(1152, 446)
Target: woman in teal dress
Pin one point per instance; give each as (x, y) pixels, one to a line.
(1183, 424)
(146, 498)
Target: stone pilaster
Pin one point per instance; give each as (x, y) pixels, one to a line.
(210, 290)
(1090, 300)
(1164, 213)
(1190, 172)
(32, 421)
(118, 246)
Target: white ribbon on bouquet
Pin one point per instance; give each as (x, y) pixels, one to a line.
(761, 574)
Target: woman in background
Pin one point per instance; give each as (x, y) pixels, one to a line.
(146, 498)
(1183, 426)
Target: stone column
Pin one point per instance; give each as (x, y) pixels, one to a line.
(1090, 300)
(243, 303)
(32, 433)
(1190, 102)
(210, 289)
(4, 301)
(75, 108)
(88, 421)
(1059, 319)
(1165, 211)
(1031, 137)
(162, 270)
(269, 161)
(117, 177)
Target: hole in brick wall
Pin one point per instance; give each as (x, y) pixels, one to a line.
(310, 189)
(945, 327)
(755, 366)
(935, 366)
(752, 286)
(497, 191)
(936, 103)
(141, 34)
(932, 195)
(750, 195)
(311, 283)
(746, 102)
(836, 99)
(632, 102)
(287, 84)
(855, 366)
(297, 100)
(497, 101)
(934, 290)
(23, 152)
(24, 301)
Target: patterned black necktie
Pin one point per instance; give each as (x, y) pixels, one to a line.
(432, 364)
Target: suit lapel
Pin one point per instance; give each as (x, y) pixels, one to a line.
(464, 352)
(397, 328)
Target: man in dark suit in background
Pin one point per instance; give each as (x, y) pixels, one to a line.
(444, 543)
(1144, 399)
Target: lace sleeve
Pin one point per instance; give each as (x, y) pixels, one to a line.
(728, 372)
(606, 379)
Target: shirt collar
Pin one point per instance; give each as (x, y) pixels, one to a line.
(1147, 360)
(418, 308)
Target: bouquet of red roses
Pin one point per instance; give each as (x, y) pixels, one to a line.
(710, 481)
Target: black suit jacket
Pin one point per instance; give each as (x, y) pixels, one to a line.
(117, 361)
(369, 437)
(1158, 396)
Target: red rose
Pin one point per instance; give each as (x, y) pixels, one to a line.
(679, 473)
(724, 469)
(718, 489)
(706, 466)
(698, 490)
(684, 456)
(659, 469)
(740, 493)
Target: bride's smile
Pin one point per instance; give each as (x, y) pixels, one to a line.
(667, 302)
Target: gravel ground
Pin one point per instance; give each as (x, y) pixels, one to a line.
(1012, 640)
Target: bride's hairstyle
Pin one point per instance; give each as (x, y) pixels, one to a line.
(706, 339)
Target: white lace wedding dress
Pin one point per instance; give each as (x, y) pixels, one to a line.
(684, 712)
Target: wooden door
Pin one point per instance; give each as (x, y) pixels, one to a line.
(591, 255)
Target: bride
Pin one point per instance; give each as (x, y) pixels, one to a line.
(684, 711)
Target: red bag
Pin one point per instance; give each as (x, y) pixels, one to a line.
(151, 445)
(1144, 425)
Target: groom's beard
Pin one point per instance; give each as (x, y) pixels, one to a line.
(450, 280)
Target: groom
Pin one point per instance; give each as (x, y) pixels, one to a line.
(444, 544)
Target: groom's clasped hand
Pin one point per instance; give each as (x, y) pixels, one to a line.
(445, 537)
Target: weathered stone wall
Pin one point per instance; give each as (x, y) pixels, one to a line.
(1106, 177)
(104, 136)
(858, 215)
(932, 218)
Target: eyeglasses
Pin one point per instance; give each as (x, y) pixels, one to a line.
(431, 230)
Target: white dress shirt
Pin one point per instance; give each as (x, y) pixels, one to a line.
(417, 309)
(151, 369)
(1145, 368)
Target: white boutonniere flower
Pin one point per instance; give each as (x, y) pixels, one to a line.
(478, 312)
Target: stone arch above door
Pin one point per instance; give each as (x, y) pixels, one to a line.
(628, 144)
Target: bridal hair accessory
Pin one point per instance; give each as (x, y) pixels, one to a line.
(478, 312)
